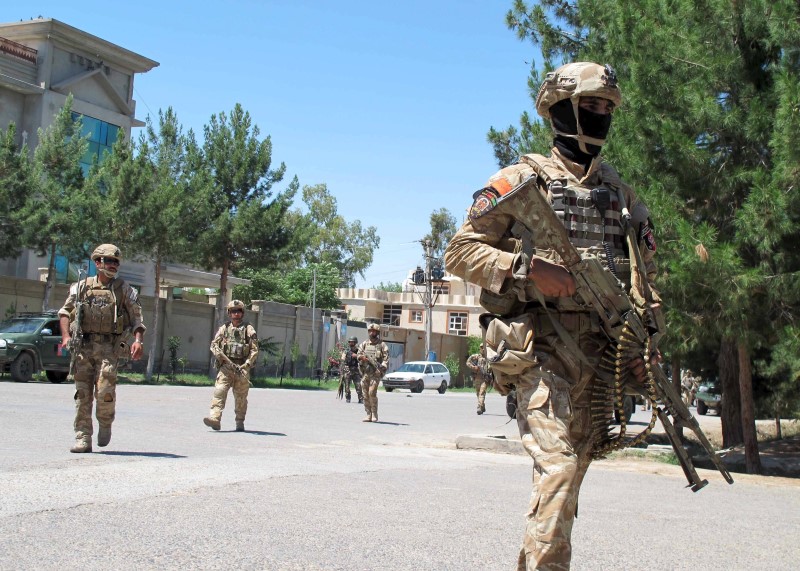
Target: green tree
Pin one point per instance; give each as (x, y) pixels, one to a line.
(154, 199)
(706, 135)
(16, 187)
(62, 215)
(395, 287)
(245, 225)
(443, 227)
(296, 287)
(331, 238)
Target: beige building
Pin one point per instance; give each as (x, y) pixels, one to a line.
(42, 61)
(455, 308)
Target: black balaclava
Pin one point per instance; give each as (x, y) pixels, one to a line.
(595, 125)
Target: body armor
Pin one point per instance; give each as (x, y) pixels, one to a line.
(236, 344)
(102, 310)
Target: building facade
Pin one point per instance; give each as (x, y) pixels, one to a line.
(42, 61)
(455, 306)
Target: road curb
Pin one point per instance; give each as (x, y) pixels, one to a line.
(493, 443)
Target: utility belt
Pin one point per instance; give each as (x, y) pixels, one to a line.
(574, 322)
(238, 360)
(100, 337)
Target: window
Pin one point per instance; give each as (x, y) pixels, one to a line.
(442, 288)
(457, 323)
(391, 314)
(415, 316)
(102, 136)
(439, 369)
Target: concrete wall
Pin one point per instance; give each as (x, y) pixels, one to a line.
(284, 325)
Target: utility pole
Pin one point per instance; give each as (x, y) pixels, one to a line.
(426, 244)
(313, 312)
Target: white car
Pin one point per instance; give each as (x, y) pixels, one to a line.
(418, 375)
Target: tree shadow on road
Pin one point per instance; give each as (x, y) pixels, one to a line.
(255, 432)
(391, 423)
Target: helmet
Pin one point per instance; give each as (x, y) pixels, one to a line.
(353, 339)
(235, 304)
(106, 251)
(374, 327)
(576, 80)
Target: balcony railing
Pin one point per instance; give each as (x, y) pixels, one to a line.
(18, 50)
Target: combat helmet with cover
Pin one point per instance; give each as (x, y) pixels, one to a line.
(235, 304)
(573, 81)
(106, 251)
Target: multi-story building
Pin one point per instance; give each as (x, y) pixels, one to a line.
(44, 60)
(455, 307)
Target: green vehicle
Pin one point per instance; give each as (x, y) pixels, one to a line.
(30, 342)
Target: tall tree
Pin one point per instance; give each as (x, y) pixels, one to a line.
(331, 238)
(154, 200)
(443, 227)
(295, 287)
(245, 225)
(62, 215)
(710, 109)
(16, 187)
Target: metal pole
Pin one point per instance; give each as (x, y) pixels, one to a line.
(313, 312)
(428, 298)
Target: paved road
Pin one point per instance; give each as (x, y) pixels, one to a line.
(311, 487)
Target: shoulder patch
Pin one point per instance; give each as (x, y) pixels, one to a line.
(487, 198)
(647, 236)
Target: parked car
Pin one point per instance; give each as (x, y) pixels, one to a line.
(30, 342)
(709, 396)
(418, 375)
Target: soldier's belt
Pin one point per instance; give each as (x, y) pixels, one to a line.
(573, 322)
(100, 337)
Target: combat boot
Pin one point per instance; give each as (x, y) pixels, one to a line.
(240, 426)
(347, 398)
(211, 423)
(375, 417)
(103, 436)
(360, 400)
(367, 418)
(81, 446)
(480, 411)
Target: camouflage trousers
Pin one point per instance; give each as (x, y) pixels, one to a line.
(369, 390)
(227, 378)
(351, 375)
(555, 425)
(481, 384)
(95, 375)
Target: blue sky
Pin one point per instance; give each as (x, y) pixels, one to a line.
(388, 106)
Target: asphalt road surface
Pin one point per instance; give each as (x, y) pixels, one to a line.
(311, 487)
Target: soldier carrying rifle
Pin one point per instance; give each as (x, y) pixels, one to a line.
(558, 244)
(373, 359)
(98, 319)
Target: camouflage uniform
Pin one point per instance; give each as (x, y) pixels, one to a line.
(109, 314)
(240, 345)
(350, 373)
(370, 377)
(480, 379)
(552, 382)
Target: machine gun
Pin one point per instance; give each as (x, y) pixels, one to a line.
(632, 326)
(370, 362)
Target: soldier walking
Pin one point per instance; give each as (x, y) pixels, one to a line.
(236, 348)
(373, 359)
(97, 320)
(349, 371)
(542, 340)
(479, 368)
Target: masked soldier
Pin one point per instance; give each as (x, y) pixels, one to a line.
(97, 320)
(479, 369)
(236, 348)
(349, 371)
(373, 359)
(540, 338)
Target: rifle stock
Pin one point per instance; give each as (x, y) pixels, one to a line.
(634, 328)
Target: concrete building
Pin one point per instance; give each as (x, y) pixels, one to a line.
(42, 61)
(455, 308)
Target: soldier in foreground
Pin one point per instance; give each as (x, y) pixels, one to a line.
(479, 369)
(349, 371)
(539, 338)
(236, 348)
(97, 320)
(373, 359)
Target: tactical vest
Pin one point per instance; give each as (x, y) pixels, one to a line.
(103, 311)
(350, 357)
(591, 215)
(236, 343)
(374, 350)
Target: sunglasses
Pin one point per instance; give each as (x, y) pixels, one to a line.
(110, 261)
(235, 311)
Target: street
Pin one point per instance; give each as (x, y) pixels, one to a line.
(309, 486)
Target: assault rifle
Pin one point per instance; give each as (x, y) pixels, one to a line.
(634, 327)
(370, 362)
(76, 333)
